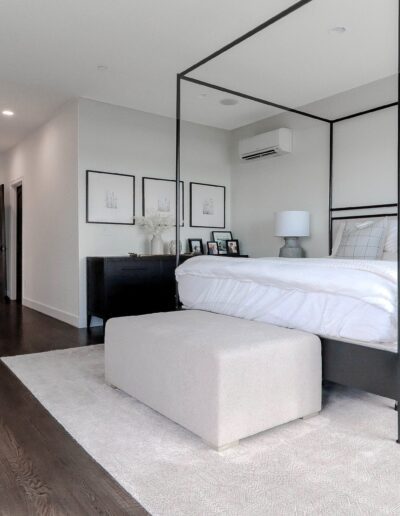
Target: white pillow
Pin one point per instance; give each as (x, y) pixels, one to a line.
(391, 239)
(362, 240)
(338, 237)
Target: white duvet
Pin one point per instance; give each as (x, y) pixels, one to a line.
(343, 299)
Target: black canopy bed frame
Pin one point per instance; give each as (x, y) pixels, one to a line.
(371, 369)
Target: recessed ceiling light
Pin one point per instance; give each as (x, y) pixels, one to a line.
(7, 112)
(228, 102)
(338, 30)
(102, 68)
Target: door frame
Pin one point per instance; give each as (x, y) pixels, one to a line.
(13, 240)
(3, 242)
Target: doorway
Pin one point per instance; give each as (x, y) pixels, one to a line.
(19, 244)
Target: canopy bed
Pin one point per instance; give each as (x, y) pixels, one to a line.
(361, 358)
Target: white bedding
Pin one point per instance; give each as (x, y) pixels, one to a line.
(344, 299)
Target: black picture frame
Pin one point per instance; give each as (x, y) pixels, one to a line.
(144, 179)
(229, 249)
(221, 240)
(88, 221)
(215, 246)
(191, 245)
(194, 184)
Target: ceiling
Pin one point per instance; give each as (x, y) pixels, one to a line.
(50, 51)
(299, 60)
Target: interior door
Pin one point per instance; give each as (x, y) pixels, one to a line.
(3, 263)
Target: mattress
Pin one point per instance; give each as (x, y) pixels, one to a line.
(352, 300)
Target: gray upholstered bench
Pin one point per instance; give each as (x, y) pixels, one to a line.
(221, 377)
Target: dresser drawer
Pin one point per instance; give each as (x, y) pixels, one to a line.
(129, 274)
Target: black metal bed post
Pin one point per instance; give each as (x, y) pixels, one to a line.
(330, 183)
(247, 35)
(254, 99)
(178, 182)
(398, 225)
(366, 112)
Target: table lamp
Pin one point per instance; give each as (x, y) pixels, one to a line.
(291, 225)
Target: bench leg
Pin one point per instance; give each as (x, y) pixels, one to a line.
(223, 447)
(310, 415)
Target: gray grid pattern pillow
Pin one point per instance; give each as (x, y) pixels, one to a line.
(363, 240)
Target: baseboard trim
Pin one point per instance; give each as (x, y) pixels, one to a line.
(52, 312)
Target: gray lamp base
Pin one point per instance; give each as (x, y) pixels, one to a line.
(292, 248)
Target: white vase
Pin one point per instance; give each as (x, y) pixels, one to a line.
(157, 245)
(172, 247)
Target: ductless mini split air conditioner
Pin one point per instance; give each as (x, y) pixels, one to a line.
(273, 143)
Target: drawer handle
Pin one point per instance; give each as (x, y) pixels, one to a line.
(133, 269)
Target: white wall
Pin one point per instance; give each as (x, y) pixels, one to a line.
(364, 172)
(2, 171)
(365, 160)
(296, 181)
(116, 139)
(46, 162)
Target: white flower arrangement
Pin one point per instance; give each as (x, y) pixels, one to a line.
(155, 224)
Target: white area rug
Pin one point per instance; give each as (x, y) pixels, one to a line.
(343, 462)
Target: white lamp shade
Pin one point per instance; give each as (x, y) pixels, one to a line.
(292, 223)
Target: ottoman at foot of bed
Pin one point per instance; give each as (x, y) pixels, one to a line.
(223, 378)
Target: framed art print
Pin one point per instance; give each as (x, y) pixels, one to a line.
(159, 197)
(110, 198)
(207, 206)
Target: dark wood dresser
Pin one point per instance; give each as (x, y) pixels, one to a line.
(118, 286)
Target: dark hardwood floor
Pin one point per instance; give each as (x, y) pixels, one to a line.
(43, 471)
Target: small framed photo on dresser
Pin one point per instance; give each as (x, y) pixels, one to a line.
(232, 247)
(196, 245)
(212, 248)
(221, 238)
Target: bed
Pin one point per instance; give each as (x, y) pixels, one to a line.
(334, 298)
(357, 320)
(350, 304)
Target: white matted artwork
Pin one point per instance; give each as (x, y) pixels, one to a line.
(159, 197)
(110, 198)
(207, 206)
